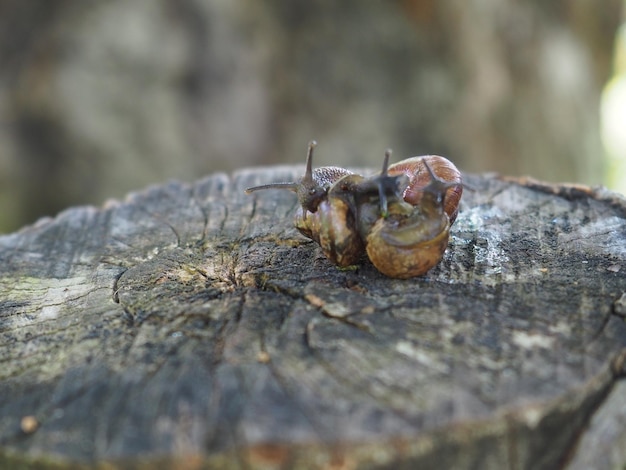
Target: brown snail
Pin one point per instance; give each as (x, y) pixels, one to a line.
(401, 218)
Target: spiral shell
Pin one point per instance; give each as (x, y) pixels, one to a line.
(419, 177)
(333, 225)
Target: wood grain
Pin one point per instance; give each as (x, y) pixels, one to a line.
(191, 326)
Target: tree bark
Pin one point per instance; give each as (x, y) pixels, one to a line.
(192, 326)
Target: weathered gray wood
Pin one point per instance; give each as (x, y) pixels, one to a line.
(192, 325)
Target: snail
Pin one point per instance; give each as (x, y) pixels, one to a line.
(401, 217)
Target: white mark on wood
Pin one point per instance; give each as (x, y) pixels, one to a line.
(614, 268)
(486, 245)
(49, 312)
(602, 235)
(408, 349)
(532, 416)
(53, 294)
(532, 340)
(562, 328)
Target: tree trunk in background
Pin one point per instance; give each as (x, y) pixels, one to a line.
(98, 98)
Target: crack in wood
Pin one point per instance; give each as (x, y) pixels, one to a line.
(237, 319)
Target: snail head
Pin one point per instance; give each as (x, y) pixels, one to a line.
(309, 191)
(384, 187)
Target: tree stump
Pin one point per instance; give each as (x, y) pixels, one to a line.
(191, 326)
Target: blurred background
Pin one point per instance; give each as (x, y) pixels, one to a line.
(98, 98)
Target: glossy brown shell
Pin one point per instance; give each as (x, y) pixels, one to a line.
(333, 225)
(418, 175)
(405, 261)
(410, 242)
(338, 239)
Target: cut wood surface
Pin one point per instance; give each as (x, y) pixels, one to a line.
(192, 326)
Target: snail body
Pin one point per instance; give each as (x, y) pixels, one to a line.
(333, 225)
(401, 217)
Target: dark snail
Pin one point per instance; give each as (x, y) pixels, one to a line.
(401, 218)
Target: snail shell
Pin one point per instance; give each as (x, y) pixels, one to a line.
(333, 225)
(419, 177)
(413, 238)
